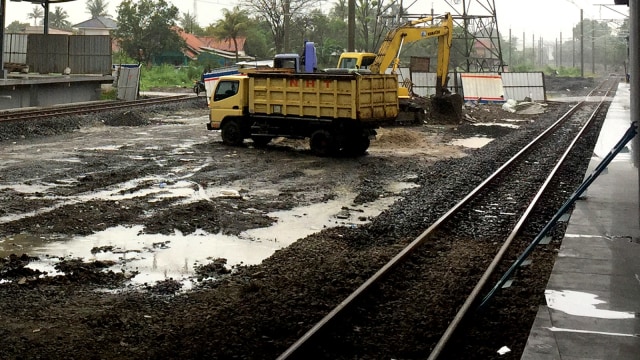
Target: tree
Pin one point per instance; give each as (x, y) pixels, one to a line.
(146, 28)
(97, 8)
(16, 27)
(274, 11)
(374, 19)
(231, 26)
(58, 19)
(327, 35)
(602, 44)
(258, 40)
(36, 13)
(190, 24)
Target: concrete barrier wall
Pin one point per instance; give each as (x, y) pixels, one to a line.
(49, 91)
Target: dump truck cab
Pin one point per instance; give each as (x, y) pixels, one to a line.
(229, 100)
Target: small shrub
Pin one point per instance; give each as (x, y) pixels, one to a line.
(110, 94)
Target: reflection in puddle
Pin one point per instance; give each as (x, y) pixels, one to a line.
(105, 148)
(506, 125)
(158, 257)
(472, 142)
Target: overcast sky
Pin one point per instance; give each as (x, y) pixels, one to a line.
(546, 18)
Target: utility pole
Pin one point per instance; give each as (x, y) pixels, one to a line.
(351, 25)
(3, 8)
(593, 48)
(556, 53)
(541, 51)
(524, 47)
(287, 20)
(510, 46)
(560, 55)
(581, 43)
(573, 51)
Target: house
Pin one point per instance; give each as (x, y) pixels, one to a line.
(208, 51)
(100, 25)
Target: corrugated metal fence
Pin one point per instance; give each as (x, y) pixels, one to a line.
(516, 86)
(15, 48)
(90, 54)
(82, 54)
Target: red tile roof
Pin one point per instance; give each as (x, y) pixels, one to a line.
(224, 44)
(197, 43)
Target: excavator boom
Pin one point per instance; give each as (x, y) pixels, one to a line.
(389, 52)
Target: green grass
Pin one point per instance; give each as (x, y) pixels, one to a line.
(168, 76)
(110, 94)
(162, 76)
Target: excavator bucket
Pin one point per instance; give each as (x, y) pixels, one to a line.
(438, 109)
(446, 108)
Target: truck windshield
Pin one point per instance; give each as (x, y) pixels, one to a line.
(225, 89)
(348, 63)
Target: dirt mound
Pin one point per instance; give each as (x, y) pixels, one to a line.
(393, 137)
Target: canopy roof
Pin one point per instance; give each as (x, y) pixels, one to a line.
(42, 1)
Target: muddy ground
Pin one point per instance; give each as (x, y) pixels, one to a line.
(68, 293)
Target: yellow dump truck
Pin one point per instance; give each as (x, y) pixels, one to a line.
(338, 112)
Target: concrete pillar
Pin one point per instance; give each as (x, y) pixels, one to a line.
(634, 71)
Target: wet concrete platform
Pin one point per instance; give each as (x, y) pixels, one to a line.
(593, 293)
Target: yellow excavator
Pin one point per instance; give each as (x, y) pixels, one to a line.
(413, 108)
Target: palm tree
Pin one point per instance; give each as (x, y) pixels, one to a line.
(188, 22)
(58, 19)
(231, 26)
(36, 13)
(97, 8)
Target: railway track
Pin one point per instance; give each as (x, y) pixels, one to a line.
(489, 228)
(85, 108)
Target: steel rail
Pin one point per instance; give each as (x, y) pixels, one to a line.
(84, 108)
(473, 296)
(420, 239)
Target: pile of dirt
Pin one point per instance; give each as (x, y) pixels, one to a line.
(128, 118)
(393, 137)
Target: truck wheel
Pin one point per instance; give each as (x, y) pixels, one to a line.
(321, 143)
(358, 146)
(231, 133)
(261, 141)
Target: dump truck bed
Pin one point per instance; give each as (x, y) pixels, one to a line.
(365, 98)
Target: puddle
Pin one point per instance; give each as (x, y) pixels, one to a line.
(105, 148)
(507, 125)
(582, 304)
(27, 189)
(473, 142)
(158, 257)
(517, 120)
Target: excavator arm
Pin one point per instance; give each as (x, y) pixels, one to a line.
(443, 103)
(388, 56)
